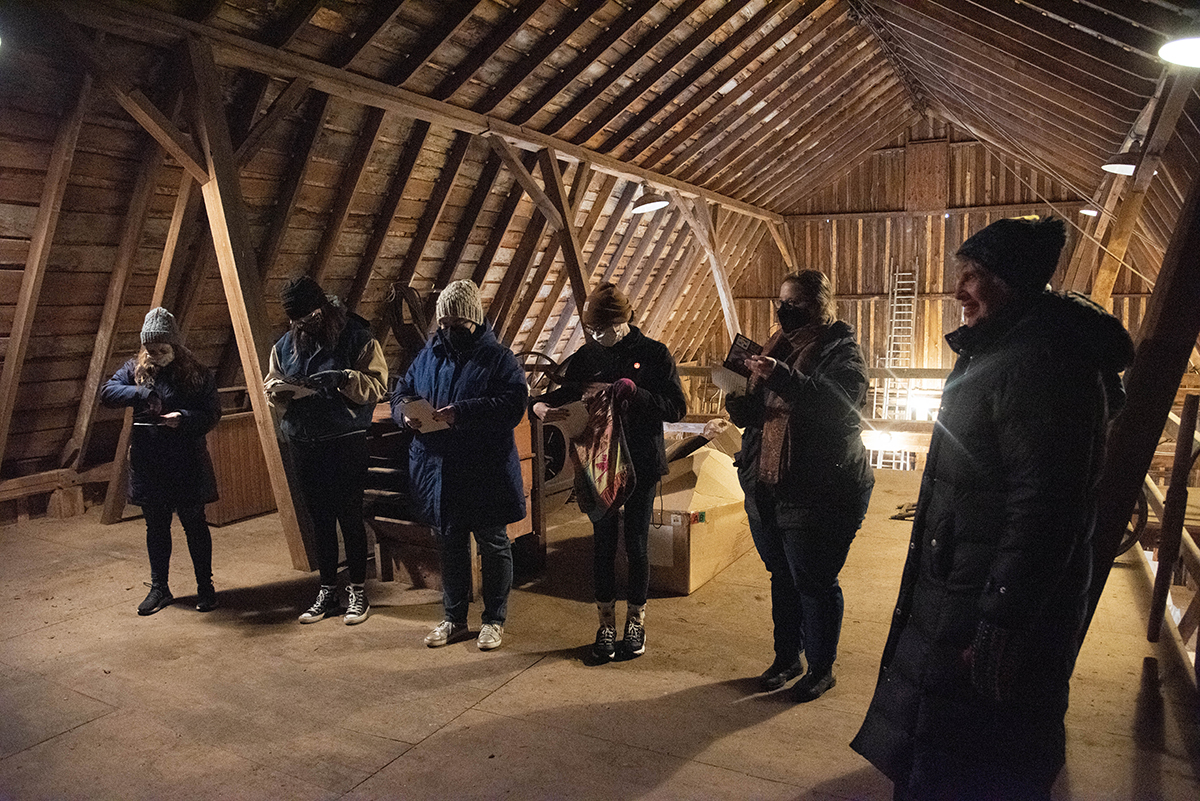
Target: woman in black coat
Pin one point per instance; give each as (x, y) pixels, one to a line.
(805, 474)
(974, 678)
(175, 404)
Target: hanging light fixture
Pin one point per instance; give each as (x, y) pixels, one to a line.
(649, 201)
(1122, 163)
(1182, 50)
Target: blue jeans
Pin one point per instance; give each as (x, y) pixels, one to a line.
(495, 552)
(804, 549)
(158, 541)
(639, 507)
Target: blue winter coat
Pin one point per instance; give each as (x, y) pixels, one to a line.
(167, 466)
(468, 475)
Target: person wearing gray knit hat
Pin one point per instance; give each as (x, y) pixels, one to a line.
(461, 300)
(160, 327)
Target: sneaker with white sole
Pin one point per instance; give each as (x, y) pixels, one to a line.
(325, 606)
(605, 647)
(490, 636)
(447, 632)
(357, 608)
(634, 643)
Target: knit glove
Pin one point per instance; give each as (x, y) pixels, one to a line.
(994, 657)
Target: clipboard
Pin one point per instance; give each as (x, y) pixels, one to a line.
(421, 410)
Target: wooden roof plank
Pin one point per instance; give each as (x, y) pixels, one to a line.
(631, 16)
(681, 51)
(500, 225)
(433, 207)
(483, 51)
(587, 96)
(53, 188)
(380, 14)
(284, 104)
(530, 61)
(468, 220)
(449, 21)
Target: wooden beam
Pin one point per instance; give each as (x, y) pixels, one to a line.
(283, 105)
(669, 296)
(500, 225)
(50, 480)
(525, 178)
(572, 251)
(697, 217)
(479, 55)
(997, 209)
(237, 51)
(243, 285)
(1162, 128)
(123, 267)
(645, 266)
(348, 184)
(58, 172)
(783, 241)
(387, 212)
(676, 234)
(466, 223)
(449, 21)
(379, 16)
(433, 207)
(514, 276)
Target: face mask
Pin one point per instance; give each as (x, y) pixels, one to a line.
(611, 335)
(457, 338)
(793, 317)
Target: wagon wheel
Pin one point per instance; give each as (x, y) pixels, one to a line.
(1136, 524)
(542, 371)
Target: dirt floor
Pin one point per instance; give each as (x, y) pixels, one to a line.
(245, 703)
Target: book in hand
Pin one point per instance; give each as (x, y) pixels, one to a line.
(743, 348)
(421, 411)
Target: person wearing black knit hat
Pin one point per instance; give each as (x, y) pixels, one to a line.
(327, 372)
(175, 404)
(973, 683)
(642, 379)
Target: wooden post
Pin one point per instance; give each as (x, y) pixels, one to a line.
(1168, 336)
(243, 286)
(1174, 510)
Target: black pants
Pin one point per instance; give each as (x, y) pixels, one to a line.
(638, 509)
(158, 541)
(333, 475)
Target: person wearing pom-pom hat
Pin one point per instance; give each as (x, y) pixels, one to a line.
(175, 404)
(973, 682)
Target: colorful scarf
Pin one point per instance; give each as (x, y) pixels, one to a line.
(797, 349)
(604, 475)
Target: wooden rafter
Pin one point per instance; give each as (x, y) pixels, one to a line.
(433, 207)
(678, 53)
(284, 104)
(468, 220)
(705, 69)
(1166, 114)
(500, 225)
(670, 294)
(243, 285)
(123, 263)
(631, 16)
(529, 61)
(698, 219)
(391, 201)
(644, 45)
(683, 246)
(648, 237)
(55, 185)
(512, 160)
(568, 238)
(348, 184)
(480, 53)
(672, 234)
(782, 64)
(449, 21)
(514, 275)
(379, 16)
(703, 304)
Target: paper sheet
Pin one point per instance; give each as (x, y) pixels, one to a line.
(421, 410)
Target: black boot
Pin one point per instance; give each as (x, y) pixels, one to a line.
(206, 597)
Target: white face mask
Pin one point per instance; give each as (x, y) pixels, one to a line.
(160, 355)
(610, 335)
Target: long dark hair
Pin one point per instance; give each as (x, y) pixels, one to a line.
(185, 370)
(333, 320)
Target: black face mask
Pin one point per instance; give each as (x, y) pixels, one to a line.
(793, 317)
(457, 339)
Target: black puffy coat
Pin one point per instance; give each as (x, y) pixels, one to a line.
(1001, 542)
(829, 465)
(167, 466)
(659, 398)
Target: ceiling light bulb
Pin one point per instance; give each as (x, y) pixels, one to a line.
(1086, 212)
(649, 201)
(1184, 51)
(1121, 164)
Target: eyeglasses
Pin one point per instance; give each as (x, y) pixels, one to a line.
(597, 331)
(779, 303)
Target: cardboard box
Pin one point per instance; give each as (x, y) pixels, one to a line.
(701, 528)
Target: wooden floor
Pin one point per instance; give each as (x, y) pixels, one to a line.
(245, 703)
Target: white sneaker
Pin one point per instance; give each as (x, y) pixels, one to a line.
(358, 608)
(490, 636)
(447, 632)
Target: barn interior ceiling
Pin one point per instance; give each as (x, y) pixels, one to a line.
(384, 146)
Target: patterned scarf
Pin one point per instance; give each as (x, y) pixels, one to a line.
(798, 349)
